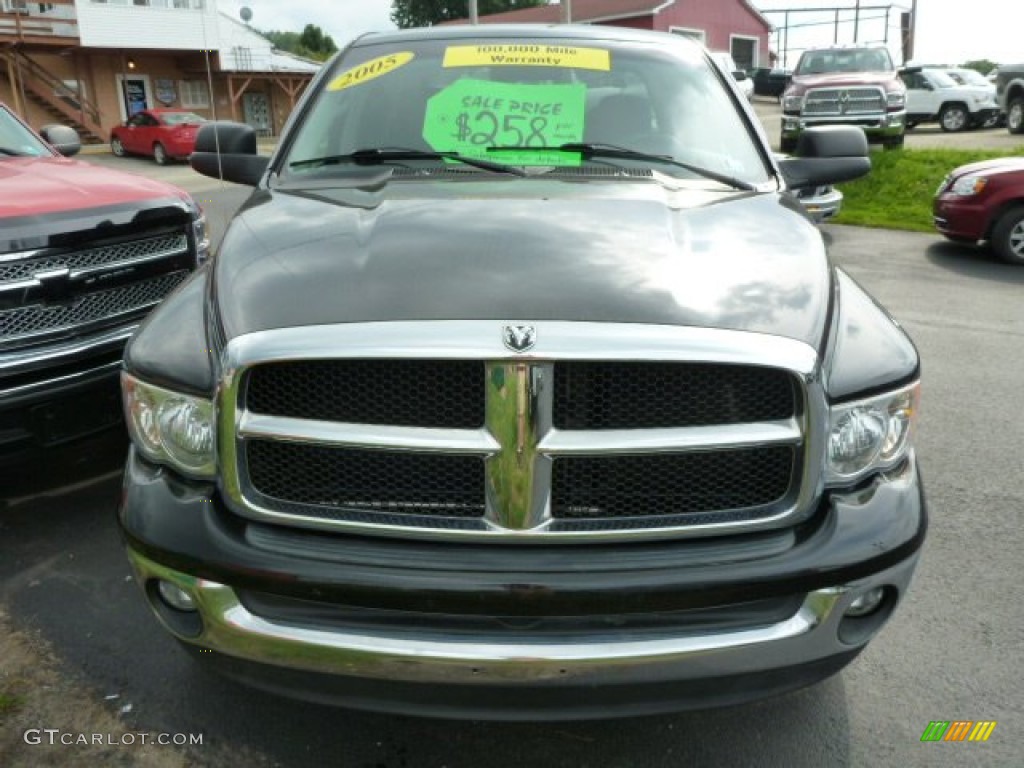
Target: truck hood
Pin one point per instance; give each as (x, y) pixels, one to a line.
(524, 250)
(32, 186)
(842, 79)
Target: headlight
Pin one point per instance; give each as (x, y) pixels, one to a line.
(896, 100)
(792, 103)
(200, 231)
(202, 235)
(169, 427)
(870, 435)
(968, 185)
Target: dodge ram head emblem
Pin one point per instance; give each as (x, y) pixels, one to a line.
(519, 338)
(844, 101)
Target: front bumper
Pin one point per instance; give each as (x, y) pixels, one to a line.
(891, 125)
(961, 217)
(58, 393)
(509, 632)
(821, 203)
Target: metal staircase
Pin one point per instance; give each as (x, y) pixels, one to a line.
(52, 95)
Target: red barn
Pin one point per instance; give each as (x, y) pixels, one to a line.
(721, 25)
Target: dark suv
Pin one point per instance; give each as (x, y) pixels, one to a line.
(845, 86)
(85, 253)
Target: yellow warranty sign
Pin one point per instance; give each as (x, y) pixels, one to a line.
(370, 70)
(528, 55)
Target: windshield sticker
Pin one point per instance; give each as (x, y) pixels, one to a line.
(528, 56)
(370, 70)
(469, 116)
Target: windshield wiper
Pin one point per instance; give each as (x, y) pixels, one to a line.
(379, 156)
(612, 151)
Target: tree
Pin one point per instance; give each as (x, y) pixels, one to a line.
(424, 13)
(312, 43)
(980, 65)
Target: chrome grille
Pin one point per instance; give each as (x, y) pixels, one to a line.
(568, 448)
(103, 257)
(843, 102)
(604, 395)
(393, 483)
(670, 484)
(42, 319)
(410, 393)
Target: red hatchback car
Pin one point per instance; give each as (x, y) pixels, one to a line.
(165, 134)
(985, 201)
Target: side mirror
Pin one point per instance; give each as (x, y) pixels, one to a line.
(227, 150)
(62, 138)
(827, 155)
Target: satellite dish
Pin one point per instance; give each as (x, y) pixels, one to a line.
(246, 14)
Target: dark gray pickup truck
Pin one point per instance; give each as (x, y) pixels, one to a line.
(1010, 95)
(523, 387)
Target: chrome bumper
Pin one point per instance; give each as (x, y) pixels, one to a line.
(812, 633)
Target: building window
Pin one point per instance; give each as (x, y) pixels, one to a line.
(697, 34)
(194, 94)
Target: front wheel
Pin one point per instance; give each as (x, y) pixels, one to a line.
(1015, 116)
(894, 143)
(1008, 236)
(953, 118)
(787, 146)
(160, 154)
(117, 147)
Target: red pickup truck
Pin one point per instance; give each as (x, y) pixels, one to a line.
(85, 253)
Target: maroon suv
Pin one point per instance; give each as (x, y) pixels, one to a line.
(985, 201)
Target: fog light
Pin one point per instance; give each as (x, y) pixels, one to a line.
(866, 603)
(175, 596)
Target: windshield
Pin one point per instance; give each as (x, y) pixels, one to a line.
(16, 140)
(182, 118)
(834, 60)
(941, 79)
(541, 98)
(969, 77)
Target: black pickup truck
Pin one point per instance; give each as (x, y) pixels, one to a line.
(522, 386)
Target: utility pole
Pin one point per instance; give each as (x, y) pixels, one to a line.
(913, 29)
(474, 16)
(566, 6)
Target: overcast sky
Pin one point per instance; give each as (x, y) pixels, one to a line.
(948, 31)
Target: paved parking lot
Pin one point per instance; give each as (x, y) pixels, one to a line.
(953, 651)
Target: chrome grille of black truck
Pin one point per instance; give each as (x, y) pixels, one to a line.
(524, 448)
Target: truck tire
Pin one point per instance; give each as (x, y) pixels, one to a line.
(787, 146)
(1008, 236)
(894, 143)
(1015, 115)
(953, 118)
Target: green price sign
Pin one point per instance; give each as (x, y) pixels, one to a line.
(471, 115)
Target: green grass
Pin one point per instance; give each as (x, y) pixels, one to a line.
(898, 192)
(9, 703)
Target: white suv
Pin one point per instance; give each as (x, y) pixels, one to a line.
(724, 60)
(932, 95)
